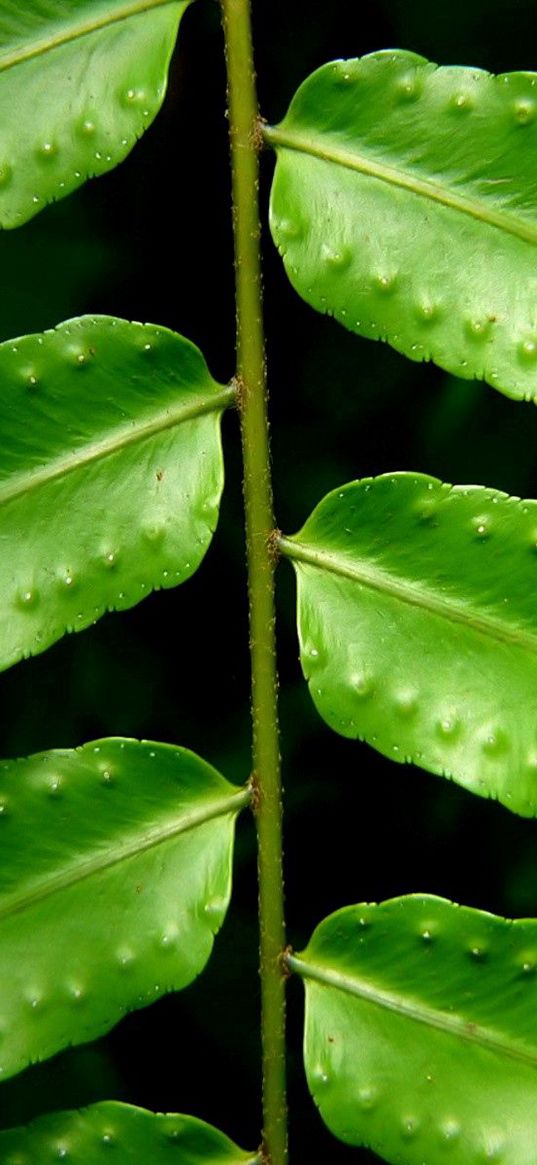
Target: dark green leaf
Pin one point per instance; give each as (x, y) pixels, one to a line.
(110, 473)
(79, 83)
(115, 874)
(405, 204)
(136, 1137)
(418, 627)
(421, 1031)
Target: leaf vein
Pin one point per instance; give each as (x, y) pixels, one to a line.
(65, 879)
(36, 49)
(450, 1024)
(114, 442)
(423, 187)
(411, 593)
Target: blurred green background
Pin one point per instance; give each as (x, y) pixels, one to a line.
(152, 242)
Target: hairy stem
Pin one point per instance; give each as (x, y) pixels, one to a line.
(243, 118)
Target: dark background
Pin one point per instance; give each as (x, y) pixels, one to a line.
(152, 242)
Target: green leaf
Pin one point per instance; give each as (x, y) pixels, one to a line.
(421, 1031)
(405, 204)
(114, 876)
(110, 474)
(136, 1136)
(102, 65)
(418, 627)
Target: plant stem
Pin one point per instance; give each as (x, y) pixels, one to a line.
(252, 394)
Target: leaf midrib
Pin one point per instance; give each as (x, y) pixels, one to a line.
(130, 847)
(410, 593)
(82, 28)
(114, 442)
(421, 1013)
(328, 151)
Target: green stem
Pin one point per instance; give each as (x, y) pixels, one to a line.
(252, 400)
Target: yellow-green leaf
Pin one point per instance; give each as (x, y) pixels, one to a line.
(115, 874)
(405, 204)
(80, 81)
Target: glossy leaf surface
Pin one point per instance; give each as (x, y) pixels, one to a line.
(114, 876)
(79, 83)
(417, 619)
(421, 1031)
(110, 473)
(137, 1137)
(405, 204)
